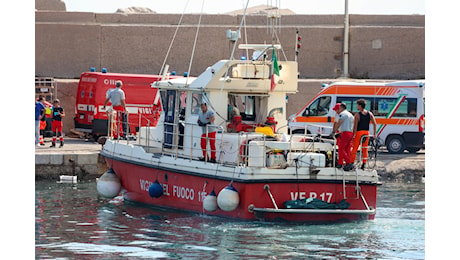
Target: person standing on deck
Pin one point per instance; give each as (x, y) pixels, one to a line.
(205, 120)
(360, 129)
(117, 98)
(345, 127)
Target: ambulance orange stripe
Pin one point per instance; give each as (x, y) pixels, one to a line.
(380, 121)
(363, 90)
(313, 119)
(357, 90)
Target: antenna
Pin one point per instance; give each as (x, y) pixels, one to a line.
(273, 18)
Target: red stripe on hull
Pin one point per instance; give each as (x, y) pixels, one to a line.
(186, 192)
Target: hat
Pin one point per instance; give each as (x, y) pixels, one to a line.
(118, 83)
(336, 107)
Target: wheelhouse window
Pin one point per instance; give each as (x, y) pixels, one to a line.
(245, 105)
(196, 102)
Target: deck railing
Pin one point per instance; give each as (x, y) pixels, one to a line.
(177, 143)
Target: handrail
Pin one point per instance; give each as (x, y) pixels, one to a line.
(362, 141)
(174, 150)
(316, 211)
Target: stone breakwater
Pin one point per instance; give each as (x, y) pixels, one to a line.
(81, 158)
(401, 167)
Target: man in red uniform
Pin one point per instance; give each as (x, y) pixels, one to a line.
(56, 124)
(345, 127)
(205, 120)
(117, 98)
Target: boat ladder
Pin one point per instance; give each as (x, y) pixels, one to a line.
(359, 194)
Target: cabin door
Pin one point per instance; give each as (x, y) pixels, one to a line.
(170, 119)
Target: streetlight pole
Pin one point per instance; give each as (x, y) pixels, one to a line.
(346, 32)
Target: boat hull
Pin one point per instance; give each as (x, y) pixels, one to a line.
(186, 190)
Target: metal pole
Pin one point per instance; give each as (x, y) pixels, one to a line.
(346, 32)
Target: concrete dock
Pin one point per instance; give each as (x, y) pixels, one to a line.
(80, 157)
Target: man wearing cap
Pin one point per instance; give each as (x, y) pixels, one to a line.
(205, 120)
(345, 127)
(117, 97)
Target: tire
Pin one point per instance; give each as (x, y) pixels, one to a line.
(395, 144)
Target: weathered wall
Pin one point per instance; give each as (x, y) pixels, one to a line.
(66, 92)
(68, 43)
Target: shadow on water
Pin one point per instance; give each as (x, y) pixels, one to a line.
(73, 222)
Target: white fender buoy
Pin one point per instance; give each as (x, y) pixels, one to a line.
(210, 202)
(228, 198)
(155, 189)
(108, 184)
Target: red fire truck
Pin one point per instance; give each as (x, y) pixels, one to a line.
(92, 118)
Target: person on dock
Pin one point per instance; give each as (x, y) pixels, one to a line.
(117, 97)
(56, 124)
(205, 120)
(361, 128)
(39, 114)
(345, 127)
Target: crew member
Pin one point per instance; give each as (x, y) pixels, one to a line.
(39, 114)
(345, 127)
(361, 128)
(56, 124)
(205, 120)
(117, 97)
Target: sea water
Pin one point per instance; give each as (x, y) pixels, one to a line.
(72, 222)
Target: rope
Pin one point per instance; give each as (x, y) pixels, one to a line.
(194, 43)
(174, 37)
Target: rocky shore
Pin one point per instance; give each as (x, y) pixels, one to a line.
(401, 167)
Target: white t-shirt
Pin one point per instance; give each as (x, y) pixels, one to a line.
(348, 120)
(116, 96)
(206, 118)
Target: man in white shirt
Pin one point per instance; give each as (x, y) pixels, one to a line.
(345, 127)
(117, 98)
(206, 117)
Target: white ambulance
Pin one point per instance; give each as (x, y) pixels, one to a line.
(398, 107)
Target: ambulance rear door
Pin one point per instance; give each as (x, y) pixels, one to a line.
(85, 102)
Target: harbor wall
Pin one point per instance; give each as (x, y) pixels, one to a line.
(381, 46)
(69, 43)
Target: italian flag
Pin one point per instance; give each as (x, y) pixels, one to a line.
(276, 71)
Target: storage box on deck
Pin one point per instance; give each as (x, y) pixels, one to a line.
(306, 159)
(276, 160)
(256, 154)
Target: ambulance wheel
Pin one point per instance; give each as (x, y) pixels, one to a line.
(395, 144)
